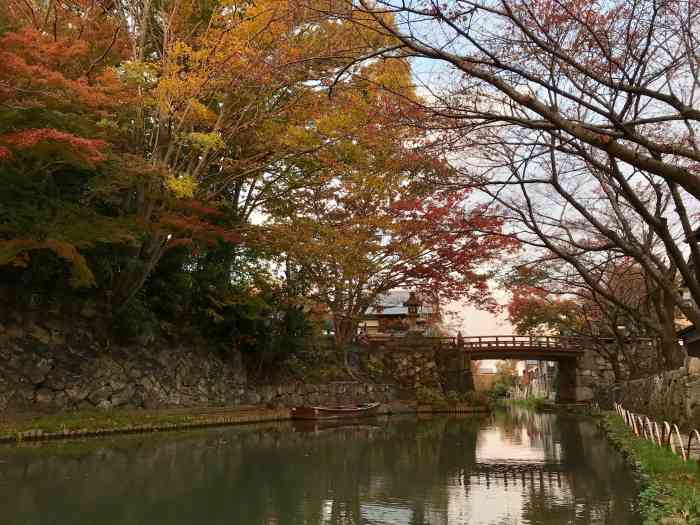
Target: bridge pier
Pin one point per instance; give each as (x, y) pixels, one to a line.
(567, 381)
(580, 376)
(457, 373)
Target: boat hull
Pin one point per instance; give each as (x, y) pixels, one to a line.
(344, 412)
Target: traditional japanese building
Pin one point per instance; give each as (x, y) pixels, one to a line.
(394, 313)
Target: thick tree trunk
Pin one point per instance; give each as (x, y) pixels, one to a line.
(132, 278)
(673, 354)
(345, 329)
(615, 364)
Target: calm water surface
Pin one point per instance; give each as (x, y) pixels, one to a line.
(504, 469)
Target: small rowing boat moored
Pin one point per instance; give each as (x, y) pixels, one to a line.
(338, 412)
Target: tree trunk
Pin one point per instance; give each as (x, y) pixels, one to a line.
(673, 354)
(132, 279)
(345, 329)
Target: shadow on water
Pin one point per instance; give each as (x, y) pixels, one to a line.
(512, 467)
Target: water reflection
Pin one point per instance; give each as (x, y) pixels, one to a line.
(509, 468)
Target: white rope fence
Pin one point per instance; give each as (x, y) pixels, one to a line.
(667, 435)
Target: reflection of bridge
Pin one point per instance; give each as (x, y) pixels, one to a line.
(513, 468)
(527, 474)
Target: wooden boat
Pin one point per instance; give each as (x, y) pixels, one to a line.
(338, 412)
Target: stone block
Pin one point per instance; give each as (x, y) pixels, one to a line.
(37, 370)
(39, 333)
(693, 366)
(25, 392)
(77, 392)
(100, 394)
(61, 400)
(678, 374)
(692, 392)
(116, 385)
(44, 396)
(293, 400)
(267, 393)
(5, 399)
(56, 380)
(609, 377)
(694, 417)
(584, 393)
(123, 397)
(253, 398)
(314, 399)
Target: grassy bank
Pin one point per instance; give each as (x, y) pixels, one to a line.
(28, 427)
(98, 422)
(670, 486)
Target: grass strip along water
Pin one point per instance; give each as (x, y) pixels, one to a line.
(91, 423)
(670, 486)
(102, 422)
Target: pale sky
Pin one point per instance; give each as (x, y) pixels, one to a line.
(433, 74)
(473, 322)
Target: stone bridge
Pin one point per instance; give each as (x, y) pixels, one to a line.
(581, 368)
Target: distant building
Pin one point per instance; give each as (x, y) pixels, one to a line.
(390, 316)
(483, 380)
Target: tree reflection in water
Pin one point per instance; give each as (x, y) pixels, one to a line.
(509, 468)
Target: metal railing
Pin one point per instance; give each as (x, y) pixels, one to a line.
(667, 435)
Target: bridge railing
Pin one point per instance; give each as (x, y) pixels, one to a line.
(491, 342)
(403, 338)
(482, 343)
(516, 342)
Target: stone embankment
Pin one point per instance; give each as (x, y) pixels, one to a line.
(134, 378)
(43, 370)
(670, 396)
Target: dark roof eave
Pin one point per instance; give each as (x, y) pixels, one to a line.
(685, 331)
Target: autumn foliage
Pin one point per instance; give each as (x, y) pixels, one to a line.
(169, 158)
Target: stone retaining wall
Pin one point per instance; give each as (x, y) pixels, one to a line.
(671, 396)
(41, 369)
(410, 368)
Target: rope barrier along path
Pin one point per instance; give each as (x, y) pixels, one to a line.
(667, 436)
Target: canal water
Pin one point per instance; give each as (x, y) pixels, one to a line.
(508, 468)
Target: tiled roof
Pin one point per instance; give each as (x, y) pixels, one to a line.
(391, 303)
